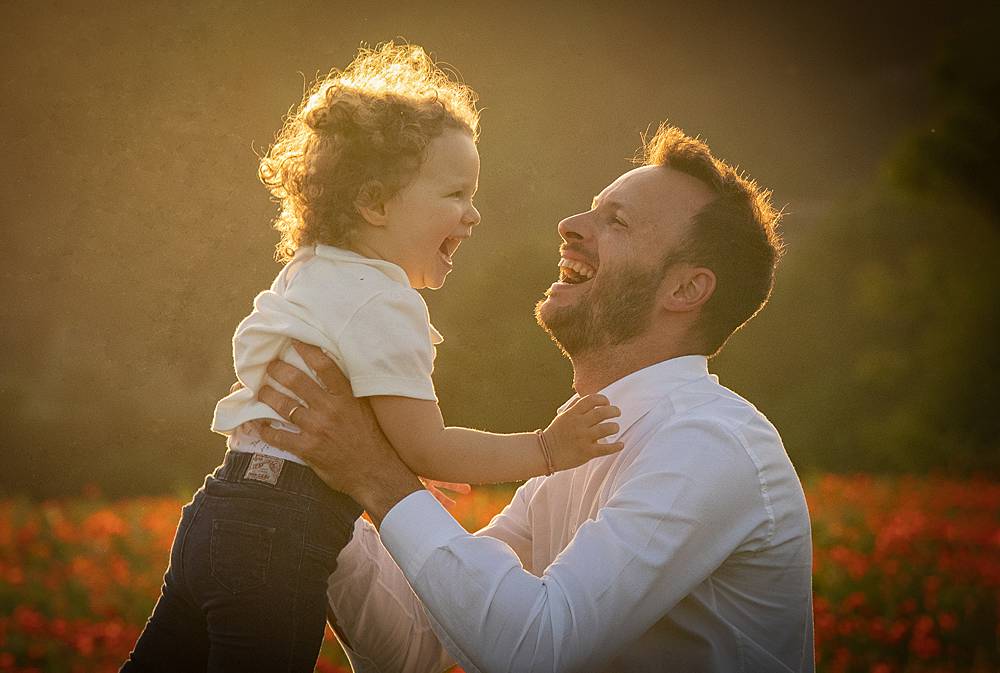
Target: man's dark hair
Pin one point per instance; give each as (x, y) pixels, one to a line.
(735, 235)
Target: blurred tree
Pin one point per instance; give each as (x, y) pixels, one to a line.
(959, 148)
(889, 308)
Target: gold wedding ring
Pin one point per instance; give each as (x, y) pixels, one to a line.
(292, 412)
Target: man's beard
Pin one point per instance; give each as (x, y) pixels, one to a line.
(612, 313)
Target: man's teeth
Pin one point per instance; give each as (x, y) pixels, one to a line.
(584, 270)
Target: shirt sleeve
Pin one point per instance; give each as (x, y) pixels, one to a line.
(675, 514)
(386, 346)
(511, 524)
(384, 621)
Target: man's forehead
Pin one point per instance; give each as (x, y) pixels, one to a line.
(655, 192)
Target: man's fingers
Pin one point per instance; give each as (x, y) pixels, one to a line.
(281, 403)
(464, 489)
(326, 369)
(441, 496)
(236, 386)
(289, 441)
(298, 382)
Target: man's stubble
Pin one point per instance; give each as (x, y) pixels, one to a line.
(612, 313)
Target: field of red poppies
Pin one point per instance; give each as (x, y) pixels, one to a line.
(907, 575)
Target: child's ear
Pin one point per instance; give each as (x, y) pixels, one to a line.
(370, 203)
(374, 214)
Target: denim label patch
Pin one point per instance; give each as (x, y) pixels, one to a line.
(264, 468)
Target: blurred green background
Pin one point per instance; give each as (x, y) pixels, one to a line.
(137, 233)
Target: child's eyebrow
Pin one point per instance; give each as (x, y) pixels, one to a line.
(465, 186)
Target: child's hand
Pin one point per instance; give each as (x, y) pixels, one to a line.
(573, 436)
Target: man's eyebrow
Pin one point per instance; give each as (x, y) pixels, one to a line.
(613, 205)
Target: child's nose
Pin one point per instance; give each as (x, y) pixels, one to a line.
(472, 217)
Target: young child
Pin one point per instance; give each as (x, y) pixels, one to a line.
(375, 174)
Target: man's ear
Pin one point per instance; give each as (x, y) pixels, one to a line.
(688, 287)
(371, 204)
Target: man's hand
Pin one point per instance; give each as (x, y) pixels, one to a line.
(435, 487)
(340, 437)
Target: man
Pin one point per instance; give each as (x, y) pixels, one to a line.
(687, 551)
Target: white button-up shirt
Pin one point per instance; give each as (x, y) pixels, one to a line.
(689, 550)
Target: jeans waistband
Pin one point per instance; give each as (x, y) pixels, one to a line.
(277, 473)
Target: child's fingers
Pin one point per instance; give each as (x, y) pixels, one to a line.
(603, 430)
(606, 449)
(601, 413)
(588, 402)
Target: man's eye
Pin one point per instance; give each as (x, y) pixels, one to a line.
(620, 223)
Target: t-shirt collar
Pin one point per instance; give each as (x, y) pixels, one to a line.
(393, 271)
(637, 393)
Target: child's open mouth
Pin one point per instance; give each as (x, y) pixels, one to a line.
(574, 272)
(448, 248)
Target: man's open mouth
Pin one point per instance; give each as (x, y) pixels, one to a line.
(573, 271)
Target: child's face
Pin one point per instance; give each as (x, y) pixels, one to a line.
(428, 219)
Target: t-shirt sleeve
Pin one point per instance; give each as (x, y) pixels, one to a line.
(386, 347)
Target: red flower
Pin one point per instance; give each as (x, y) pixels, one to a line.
(947, 621)
(28, 619)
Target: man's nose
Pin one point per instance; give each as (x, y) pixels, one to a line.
(575, 227)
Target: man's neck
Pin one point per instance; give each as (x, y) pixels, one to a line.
(597, 369)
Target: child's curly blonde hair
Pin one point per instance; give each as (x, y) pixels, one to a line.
(357, 138)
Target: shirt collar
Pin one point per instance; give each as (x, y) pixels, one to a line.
(637, 393)
(393, 271)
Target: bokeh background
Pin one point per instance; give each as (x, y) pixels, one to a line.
(137, 233)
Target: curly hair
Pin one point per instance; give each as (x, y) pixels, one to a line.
(735, 235)
(357, 138)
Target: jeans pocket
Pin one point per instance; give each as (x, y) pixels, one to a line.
(241, 554)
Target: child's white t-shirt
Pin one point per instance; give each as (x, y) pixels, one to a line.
(361, 311)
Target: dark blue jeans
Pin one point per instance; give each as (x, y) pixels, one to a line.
(246, 586)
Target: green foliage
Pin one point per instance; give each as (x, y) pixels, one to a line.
(959, 146)
(884, 320)
(886, 313)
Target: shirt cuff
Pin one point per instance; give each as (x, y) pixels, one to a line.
(415, 527)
